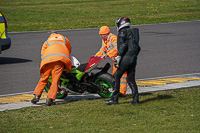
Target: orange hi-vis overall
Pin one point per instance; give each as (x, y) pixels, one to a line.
(55, 55)
(109, 47)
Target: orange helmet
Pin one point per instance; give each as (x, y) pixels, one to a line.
(104, 30)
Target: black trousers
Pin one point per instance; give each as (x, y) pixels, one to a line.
(130, 68)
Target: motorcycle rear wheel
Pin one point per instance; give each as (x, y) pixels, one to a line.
(60, 93)
(105, 81)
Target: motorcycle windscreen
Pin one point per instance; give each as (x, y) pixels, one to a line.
(93, 62)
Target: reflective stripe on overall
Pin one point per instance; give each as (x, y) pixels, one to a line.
(110, 45)
(56, 53)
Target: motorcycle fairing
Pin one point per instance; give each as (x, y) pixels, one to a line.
(93, 62)
(78, 73)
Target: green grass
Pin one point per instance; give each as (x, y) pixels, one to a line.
(33, 15)
(159, 112)
(165, 111)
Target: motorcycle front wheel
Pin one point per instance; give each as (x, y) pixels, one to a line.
(61, 94)
(105, 81)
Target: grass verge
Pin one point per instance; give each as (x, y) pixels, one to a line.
(163, 111)
(34, 15)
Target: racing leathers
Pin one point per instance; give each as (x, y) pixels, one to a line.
(128, 50)
(109, 47)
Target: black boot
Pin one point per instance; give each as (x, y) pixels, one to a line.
(135, 93)
(49, 102)
(135, 100)
(110, 102)
(35, 99)
(113, 100)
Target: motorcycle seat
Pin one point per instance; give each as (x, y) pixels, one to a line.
(82, 67)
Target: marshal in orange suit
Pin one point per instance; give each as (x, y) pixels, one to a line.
(109, 49)
(55, 57)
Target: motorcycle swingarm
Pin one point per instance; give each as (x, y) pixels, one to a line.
(93, 87)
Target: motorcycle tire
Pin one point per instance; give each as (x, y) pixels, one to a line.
(60, 93)
(105, 81)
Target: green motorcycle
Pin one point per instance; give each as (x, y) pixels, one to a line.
(81, 79)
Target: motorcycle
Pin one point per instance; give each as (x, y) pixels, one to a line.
(81, 79)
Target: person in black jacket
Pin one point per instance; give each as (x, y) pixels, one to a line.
(126, 59)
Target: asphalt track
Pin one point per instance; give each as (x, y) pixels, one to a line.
(167, 49)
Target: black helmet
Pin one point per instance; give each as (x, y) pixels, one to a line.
(123, 22)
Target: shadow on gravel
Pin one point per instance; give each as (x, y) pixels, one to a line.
(11, 60)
